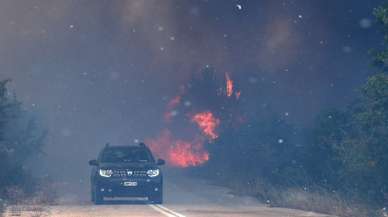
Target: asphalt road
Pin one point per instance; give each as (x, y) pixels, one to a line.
(183, 198)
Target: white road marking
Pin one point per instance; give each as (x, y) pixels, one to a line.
(166, 211)
(171, 211)
(161, 211)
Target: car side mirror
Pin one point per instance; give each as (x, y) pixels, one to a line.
(160, 162)
(93, 163)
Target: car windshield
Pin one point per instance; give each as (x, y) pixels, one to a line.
(125, 154)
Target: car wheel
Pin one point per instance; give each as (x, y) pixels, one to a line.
(92, 195)
(157, 198)
(97, 197)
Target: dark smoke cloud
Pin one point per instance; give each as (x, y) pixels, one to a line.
(100, 71)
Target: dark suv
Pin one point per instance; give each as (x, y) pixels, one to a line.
(126, 171)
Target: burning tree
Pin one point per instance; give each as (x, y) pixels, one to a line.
(197, 113)
(206, 126)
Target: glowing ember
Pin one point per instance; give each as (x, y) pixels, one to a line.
(229, 85)
(174, 102)
(178, 153)
(238, 94)
(170, 110)
(207, 123)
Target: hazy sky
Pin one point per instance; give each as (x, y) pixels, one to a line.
(98, 71)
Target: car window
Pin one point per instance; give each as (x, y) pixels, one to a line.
(125, 154)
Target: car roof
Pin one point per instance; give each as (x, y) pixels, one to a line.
(140, 145)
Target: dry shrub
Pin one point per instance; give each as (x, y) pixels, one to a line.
(14, 194)
(45, 194)
(317, 199)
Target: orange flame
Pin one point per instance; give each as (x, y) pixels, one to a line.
(185, 154)
(178, 153)
(229, 85)
(207, 123)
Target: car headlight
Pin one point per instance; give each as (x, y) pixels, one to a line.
(106, 173)
(153, 173)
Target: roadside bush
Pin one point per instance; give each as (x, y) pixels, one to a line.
(20, 139)
(349, 151)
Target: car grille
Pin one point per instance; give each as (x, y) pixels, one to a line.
(129, 173)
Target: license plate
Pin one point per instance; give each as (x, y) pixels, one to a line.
(130, 184)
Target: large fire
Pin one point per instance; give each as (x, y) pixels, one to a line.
(207, 123)
(229, 85)
(178, 153)
(185, 152)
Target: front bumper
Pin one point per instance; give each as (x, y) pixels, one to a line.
(114, 187)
